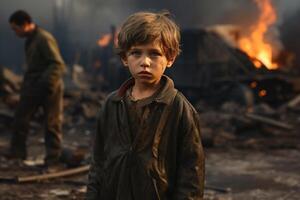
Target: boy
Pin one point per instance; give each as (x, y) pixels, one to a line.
(147, 144)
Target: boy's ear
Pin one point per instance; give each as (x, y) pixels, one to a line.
(124, 61)
(170, 62)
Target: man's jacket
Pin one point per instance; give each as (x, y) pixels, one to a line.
(45, 65)
(170, 166)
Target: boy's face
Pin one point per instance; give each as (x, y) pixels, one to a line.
(147, 63)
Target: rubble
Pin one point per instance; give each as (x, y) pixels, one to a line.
(9, 82)
(225, 126)
(293, 104)
(258, 127)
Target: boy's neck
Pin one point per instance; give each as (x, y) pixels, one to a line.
(141, 91)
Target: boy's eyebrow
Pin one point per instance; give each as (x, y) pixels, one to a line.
(134, 48)
(158, 50)
(151, 49)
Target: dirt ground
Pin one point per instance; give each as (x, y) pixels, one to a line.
(253, 175)
(231, 173)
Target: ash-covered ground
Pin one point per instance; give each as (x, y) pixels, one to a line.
(251, 153)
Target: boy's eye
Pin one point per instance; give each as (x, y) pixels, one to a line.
(155, 54)
(135, 53)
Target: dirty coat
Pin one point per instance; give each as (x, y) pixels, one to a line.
(164, 160)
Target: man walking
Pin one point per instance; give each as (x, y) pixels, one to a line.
(42, 87)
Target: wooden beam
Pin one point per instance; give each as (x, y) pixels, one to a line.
(64, 173)
(269, 121)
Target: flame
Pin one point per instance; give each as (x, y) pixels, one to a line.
(104, 40)
(254, 45)
(108, 38)
(262, 93)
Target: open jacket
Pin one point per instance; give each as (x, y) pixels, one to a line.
(173, 163)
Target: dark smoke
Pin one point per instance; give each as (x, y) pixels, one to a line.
(78, 23)
(290, 31)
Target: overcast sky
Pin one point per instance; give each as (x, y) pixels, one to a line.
(86, 20)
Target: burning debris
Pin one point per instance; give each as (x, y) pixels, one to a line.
(219, 72)
(255, 43)
(261, 41)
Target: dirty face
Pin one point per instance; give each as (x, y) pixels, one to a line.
(147, 63)
(20, 30)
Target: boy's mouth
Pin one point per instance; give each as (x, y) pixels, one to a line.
(145, 73)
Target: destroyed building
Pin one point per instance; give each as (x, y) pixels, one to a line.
(210, 68)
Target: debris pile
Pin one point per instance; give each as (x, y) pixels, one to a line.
(259, 126)
(225, 124)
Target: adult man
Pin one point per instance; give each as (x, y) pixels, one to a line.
(42, 86)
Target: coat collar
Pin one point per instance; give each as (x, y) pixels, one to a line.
(165, 95)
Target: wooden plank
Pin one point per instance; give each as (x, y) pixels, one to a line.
(64, 173)
(294, 102)
(269, 121)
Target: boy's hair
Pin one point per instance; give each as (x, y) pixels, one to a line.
(145, 27)
(20, 17)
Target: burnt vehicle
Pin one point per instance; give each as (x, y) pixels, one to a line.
(210, 69)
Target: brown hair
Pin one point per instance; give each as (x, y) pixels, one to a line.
(146, 27)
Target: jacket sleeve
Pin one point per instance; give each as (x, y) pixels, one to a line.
(190, 164)
(53, 60)
(95, 176)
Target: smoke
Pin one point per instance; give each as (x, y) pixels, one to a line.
(290, 31)
(78, 24)
(287, 8)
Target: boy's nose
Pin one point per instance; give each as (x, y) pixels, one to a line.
(145, 62)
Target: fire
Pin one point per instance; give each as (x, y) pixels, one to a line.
(262, 93)
(104, 40)
(108, 39)
(254, 45)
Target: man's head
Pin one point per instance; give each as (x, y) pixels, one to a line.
(146, 27)
(21, 22)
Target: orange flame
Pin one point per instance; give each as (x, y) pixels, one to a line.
(254, 45)
(104, 40)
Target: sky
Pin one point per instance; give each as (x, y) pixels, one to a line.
(83, 21)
